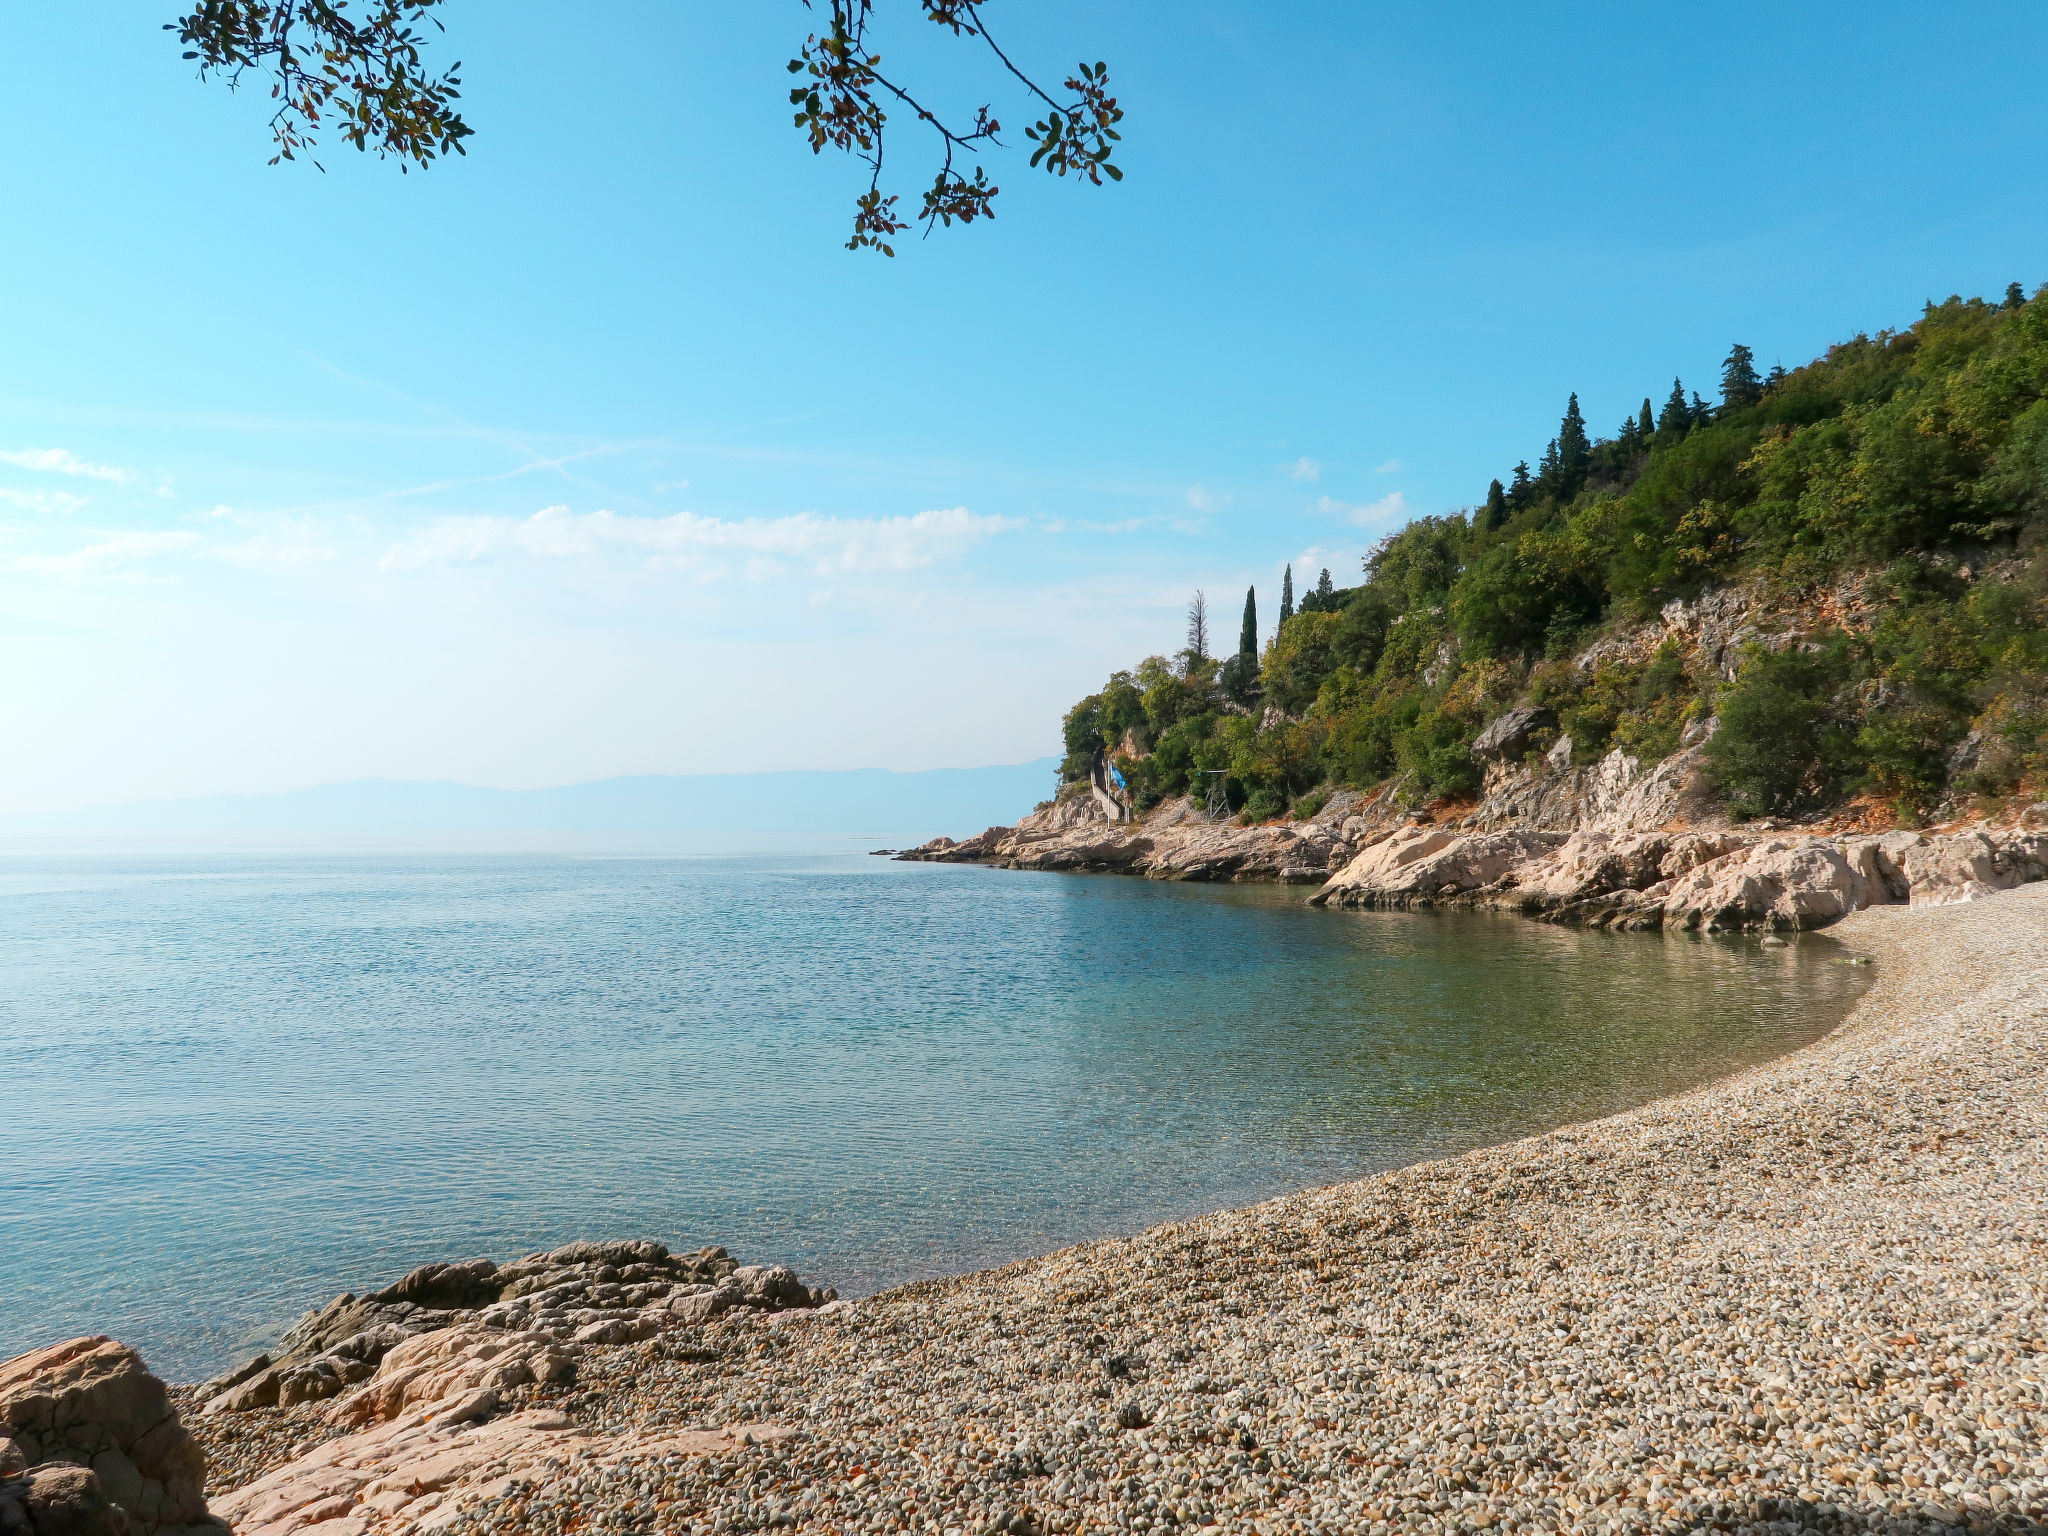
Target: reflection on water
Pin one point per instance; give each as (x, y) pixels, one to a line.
(237, 1087)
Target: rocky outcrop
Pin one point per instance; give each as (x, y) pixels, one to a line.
(1618, 793)
(421, 1470)
(1177, 841)
(90, 1446)
(580, 1294)
(1423, 866)
(1973, 864)
(1706, 881)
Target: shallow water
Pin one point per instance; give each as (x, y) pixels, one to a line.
(236, 1087)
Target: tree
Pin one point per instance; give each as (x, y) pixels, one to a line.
(2015, 296)
(1574, 450)
(1521, 490)
(1198, 626)
(1496, 513)
(1646, 424)
(1775, 377)
(1287, 592)
(1740, 386)
(369, 76)
(1676, 417)
(1248, 634)
(1324, 586)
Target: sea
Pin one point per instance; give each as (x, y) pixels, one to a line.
(233, 1086)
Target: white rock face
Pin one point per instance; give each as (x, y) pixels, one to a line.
(1706, 881)
(1418, 866)
(1968, 865)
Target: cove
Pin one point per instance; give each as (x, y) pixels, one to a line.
(238, 1086)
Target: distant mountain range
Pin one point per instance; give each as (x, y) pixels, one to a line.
(727, 812)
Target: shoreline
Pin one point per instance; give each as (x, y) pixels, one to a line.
(1810, 1294)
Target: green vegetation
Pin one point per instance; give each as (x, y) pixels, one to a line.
(1894, 493)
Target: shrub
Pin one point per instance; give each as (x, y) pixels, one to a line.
(1779, 748)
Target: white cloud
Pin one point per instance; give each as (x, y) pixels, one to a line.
(58, 461)
(1390, 508)
(1391, 467)
(288, 544)
(686, 541)
(1305, 469)
(61, 502)
(118, 549)
(1206, 501)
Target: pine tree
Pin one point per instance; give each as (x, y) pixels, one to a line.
(1198, 625)
(1574, 449)
(1496, 513)
(1248, 636)
(1702, 412)
(1325, 588)
(1646, 425)
(1521, 489)
(1287, 594)
(1775, 377)
(2015, 295)
(1547, 466)
(1676, 416)
(1740, 386)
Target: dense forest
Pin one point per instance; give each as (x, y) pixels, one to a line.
(1916, 460)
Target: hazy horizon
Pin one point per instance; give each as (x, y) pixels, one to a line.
(791, 810)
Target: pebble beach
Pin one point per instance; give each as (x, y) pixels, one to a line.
(1806, 1297)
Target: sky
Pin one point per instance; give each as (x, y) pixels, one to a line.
(593, 452)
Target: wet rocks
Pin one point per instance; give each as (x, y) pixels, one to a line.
(89, 1443)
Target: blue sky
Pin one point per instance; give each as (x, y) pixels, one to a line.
(594, 453)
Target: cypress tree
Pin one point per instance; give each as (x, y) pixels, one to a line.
(1248, 637)
(1646, 425)
(1739, 384)
(1676, 416)
(1287, 594)
(1324, 586)
(1496, 512)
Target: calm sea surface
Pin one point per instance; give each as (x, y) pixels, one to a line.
(233, 1088)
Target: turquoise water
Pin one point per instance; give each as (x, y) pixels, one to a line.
(237, 1087)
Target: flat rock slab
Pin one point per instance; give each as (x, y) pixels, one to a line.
(421, 1471)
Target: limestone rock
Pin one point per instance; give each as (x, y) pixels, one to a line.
(1422, 866)
(1511, 733)
(1969, 865)
(578, 1294)
(100, 1445)
(421, 1469)
(455, 1362)
(59, 1499)
(1777, 884)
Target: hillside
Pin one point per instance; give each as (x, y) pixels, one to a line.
(1822, 597)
